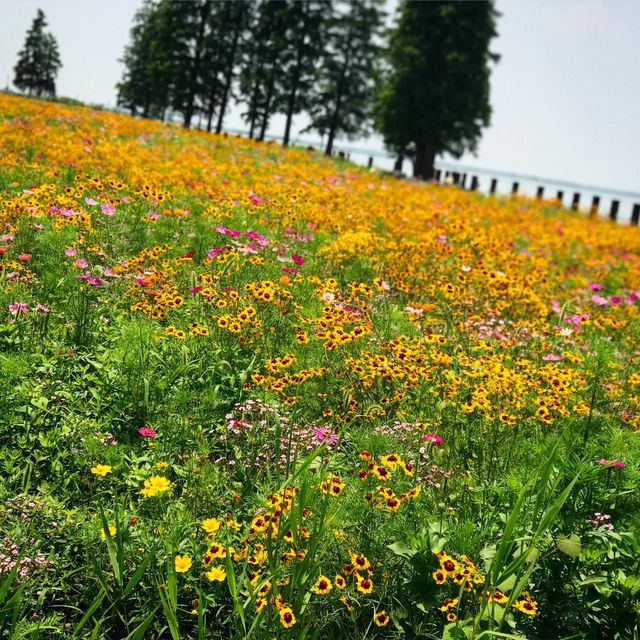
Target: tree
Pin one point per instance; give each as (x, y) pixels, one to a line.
(147, 62)
(223, 42)
(435, 97)
(262, 62)
(304, 45)
(38, 61)
(345, 90)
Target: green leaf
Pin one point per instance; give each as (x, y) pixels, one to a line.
(571, 545)
(401, 549)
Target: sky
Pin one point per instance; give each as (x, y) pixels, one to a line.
(565, 94)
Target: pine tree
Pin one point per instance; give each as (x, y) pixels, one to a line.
(226, 35)
(305, 39)
(146, 79)
(38, 61)
(345, 91)
(262, 63)
(436, 95)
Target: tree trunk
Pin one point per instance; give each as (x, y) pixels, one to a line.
(425, 156)
(228, 76)
(397, 167)
(267, 106)
(195, 70)
(291, 103)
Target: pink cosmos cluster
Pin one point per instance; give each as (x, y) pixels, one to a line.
(147, 432)
(611, 463)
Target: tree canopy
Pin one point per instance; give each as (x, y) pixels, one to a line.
(38, 61)
(435, 97)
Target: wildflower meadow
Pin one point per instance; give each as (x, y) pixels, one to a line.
(251, 392)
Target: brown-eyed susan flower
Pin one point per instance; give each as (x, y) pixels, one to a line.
(101, 469)
(287, 618)
(499, 597)
(261, 603)
(363, 585)
(183, 563)
(381, 618)
(339, 581)
(449, 565)
(451, 617)
(323, 585)
(439, 576)
(359, 562)
(527, 605)
(345, 601)
(448, 604)
(216, 574)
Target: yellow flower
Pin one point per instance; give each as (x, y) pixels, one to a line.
(216, 574)
(381, 618)
(101, 469)
(112, 531)
(323, 585)
(183, 563)
(287, 619)
(162, 464)
(211, 525)
(155, 485)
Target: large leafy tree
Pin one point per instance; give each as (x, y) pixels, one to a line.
(345, 90)
(435, 97)
(38, 61)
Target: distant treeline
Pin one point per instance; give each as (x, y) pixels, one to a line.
(193, 57)
(424, 84)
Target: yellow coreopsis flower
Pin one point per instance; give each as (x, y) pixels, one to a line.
(183, 563)
(155, 485)
(101, 469)
(216, 574)
(211, 525)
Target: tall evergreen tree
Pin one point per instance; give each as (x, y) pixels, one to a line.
(225, 37)
(305, 39)
(345, 91)
(262, 63)
(38, 61)
(146, 79)
(436, 96)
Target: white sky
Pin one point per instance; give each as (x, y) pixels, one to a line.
(565, 95)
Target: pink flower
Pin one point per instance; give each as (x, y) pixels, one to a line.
(325, 435)
(80, 263)
(552, 357)
(196, 289)
(611, 463)
(90, 201)
(288, 270)
(24, 257)
(297, 259)
(616, 300)
(108, 209)
(595, 286)
(212, 253)
(432, 437)
(599, 300)
(147, 432)
(18, 307)
(70, 252)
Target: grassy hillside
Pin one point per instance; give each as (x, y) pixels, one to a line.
(248, 392)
